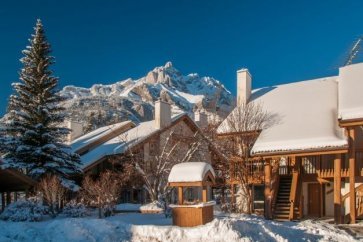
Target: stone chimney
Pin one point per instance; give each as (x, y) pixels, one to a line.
(162, 114)
(201, 119)
(244, 83)
(76, 130)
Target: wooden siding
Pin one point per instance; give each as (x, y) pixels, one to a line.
(192, 216)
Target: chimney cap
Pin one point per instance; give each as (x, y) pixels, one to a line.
(244, 70)
(159, 100)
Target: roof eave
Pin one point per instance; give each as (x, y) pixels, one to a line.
(304, 152)
(343, 123)
(183, 116)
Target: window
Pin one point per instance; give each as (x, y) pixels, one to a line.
(258, 197)
(192, 195)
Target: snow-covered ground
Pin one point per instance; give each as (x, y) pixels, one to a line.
(155, 227)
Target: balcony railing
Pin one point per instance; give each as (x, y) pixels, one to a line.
(254, 170)
(310, 165)
(329, 173)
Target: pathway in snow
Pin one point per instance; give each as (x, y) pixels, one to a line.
(155, 227)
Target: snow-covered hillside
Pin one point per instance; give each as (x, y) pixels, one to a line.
(133, 99)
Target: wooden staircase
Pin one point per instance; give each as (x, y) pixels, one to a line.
(282, 204)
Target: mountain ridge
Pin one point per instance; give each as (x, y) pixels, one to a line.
(131, 99)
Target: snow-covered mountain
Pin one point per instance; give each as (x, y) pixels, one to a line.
(134, 99)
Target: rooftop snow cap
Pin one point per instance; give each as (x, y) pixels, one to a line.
(244, 83)
(190, 172)
(350, 92)
(162, 114)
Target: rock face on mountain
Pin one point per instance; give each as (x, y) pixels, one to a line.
(134, 99)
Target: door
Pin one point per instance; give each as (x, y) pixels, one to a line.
(314, 200)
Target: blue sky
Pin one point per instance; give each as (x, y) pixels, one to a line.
(107, 41)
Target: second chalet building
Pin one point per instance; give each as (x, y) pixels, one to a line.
(107, 147)
(310, 159)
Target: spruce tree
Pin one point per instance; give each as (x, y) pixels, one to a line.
(34, 132)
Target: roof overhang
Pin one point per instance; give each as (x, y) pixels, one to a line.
(306, 152)
(13, 180)
(350, 122)
(183, 117)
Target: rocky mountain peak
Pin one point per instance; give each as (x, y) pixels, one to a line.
(134, 99)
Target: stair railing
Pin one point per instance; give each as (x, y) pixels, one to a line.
(293, 193)
(359, 197)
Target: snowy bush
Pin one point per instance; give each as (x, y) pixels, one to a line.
(108, 210)
(30, 209)
(153, 207)
(226, 207)
(75, 210)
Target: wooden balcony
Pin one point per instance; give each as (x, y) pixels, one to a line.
(309, 166)
(329, 173)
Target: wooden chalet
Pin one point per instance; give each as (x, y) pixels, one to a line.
(310, 160)
(13, 184)
(109, 146)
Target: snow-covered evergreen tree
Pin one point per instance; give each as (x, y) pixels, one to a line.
(33, 131)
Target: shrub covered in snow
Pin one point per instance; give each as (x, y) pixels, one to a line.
(30, 209)
(153, 207)
(75, 210)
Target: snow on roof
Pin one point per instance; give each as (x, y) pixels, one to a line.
(305, 116)
(95, 135)
(120, 143)
(350, 92)
(190, 172)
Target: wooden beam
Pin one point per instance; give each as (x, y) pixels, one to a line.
(204, 194)
(352, 196)
(267, 170)
(337, 189)
(350, 123)
(322, 180)
(180, 196)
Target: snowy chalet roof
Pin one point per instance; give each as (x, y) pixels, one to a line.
(97, 134)
(350, 92)
(120, 143)
(306, 117)
(190, 172)
(14, 180)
